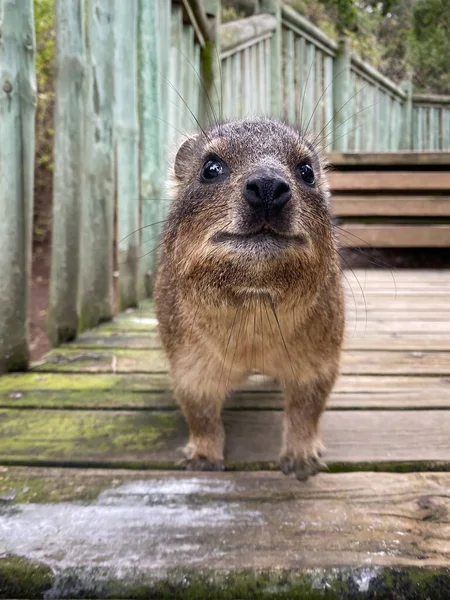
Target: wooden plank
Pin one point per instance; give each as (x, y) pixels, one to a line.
(412, 342)
(154, 361)
(152, 117)
(15, 386)
(399, 327)
(424, 398)
(17, 116)
(152, 438)
(389, 180)
(391, 538)
(127, 151)
(95, 302)
(68, 171)
(369, 341)
(386, 206)
(388, 236)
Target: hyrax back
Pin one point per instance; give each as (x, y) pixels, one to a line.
(248, 279)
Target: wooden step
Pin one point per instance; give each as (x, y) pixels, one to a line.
(388, 180)
(422, 159)
(376, 205)
(394, 236)
(110, 534)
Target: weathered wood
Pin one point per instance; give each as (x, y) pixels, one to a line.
(391, 180)
(31, 382)
(127, 151)
(152, 438)
(341, 96)
(273, 7)
(152, 149)
(140, 529)
(388, 236)
(17, 113)
(237, 34)
(388, 159)
(210, 93)
(68, 171)
(97, 214)
(154, 361)
(386, 205)
(424, 398)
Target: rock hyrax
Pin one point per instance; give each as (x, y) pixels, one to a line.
(248, 280)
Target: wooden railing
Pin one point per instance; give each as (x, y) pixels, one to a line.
(246, 48)
(430, 122)
(132, 80)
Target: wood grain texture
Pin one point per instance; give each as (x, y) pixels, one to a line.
(17, 118)
(154, 360)
(389, 180)
(389, 159)
(390, 236)
(95, 302)
(68, 170)
(152, 438)
(385, 533)
(373, 205)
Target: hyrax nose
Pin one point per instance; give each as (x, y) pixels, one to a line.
(267, 191)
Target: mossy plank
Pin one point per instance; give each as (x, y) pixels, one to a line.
(84, 382)
(146, 535)
(153, 438)
(381, 362)
(109, 339)
(239, 400)
(121, 360)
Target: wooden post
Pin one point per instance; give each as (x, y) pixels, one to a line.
(273, 7)
(127, 151)
(342, 105)
(67, 180)
(17, 114)
(211, 98)
(96, 231)
(406, 139)
(151, 120)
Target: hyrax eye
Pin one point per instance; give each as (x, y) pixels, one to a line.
(306, 173)
(212, 169)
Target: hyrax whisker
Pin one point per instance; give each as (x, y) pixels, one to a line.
(250, 231)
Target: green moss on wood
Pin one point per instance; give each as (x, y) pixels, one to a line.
(76, 437)
(30, 382)
(21, 578)
(26, 579)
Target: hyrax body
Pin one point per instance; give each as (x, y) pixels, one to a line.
(248, 279)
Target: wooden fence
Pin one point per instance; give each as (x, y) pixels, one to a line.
(133, 78)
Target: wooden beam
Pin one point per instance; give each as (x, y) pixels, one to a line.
(17, 117)
(376, 205)
(391, 236)
(388, 180)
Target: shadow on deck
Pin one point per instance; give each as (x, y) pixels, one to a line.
(115, 524)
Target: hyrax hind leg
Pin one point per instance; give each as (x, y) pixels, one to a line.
(302, 448)
(201, 393)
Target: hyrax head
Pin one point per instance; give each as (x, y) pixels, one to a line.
(250, 214)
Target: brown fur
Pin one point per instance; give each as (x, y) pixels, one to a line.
(227, 308)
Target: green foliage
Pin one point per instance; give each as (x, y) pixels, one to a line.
(44, 14)
(429, 45)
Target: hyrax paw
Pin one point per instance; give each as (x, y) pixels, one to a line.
(198, 460)
(201, 463)
(303, 464)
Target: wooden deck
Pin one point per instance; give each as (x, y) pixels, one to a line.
(124, 521)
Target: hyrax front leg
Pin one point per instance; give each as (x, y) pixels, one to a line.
(204, 450)
(302, 448)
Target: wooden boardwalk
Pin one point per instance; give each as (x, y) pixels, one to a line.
(124, 520)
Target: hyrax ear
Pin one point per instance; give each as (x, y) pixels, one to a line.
(184, 157)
